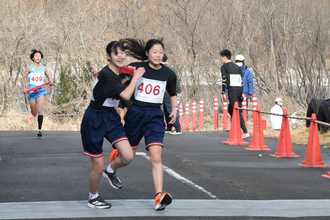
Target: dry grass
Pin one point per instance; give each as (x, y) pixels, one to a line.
(22, 122)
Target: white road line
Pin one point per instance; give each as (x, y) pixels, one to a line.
(179, 177)
(145, 208)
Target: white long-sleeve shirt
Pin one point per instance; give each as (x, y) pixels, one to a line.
(274, 119)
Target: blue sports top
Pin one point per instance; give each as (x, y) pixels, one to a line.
(36, 76)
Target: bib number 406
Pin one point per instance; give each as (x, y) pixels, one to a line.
(149, 88)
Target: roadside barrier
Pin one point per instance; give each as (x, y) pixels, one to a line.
(0, 128)
(254, 101)
(181, 115)
(75, 126)
(326, 175)
(258, 139)
(284, 148)
(216, 112)
(187, 116)
(235, 136)
(313, 153)
(225, 116)
(201, 114)
(193, 124)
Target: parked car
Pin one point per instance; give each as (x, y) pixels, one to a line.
(321, 107)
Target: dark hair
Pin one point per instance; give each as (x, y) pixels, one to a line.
(113, 47)
(34, 51)
(137, 48)
(164, 58)
(226, 53)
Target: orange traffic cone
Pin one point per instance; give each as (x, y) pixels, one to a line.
(284, 148)
(75, 126)
(258, 139)
(327, 175)
(0, 128)
(30, 117)
(235, 137)
(313, 154)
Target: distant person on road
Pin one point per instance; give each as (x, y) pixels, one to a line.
(36, 75)
(275, 119)
(167, 104)
(248, 87)
(232, 79)
(101, 120)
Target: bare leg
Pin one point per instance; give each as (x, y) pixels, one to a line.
(95, 176)
(126, 155)
(155, 152)
(40, 102)
(33, 105)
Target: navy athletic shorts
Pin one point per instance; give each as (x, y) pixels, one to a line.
(147, 122)
(97, 125)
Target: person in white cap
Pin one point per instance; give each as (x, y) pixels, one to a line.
(275, 119)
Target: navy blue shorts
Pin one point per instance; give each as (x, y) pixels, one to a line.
(97, 125)
(147, 122)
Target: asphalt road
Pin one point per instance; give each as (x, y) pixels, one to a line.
(47, 178)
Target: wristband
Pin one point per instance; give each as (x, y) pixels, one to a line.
(127, 78)
(175, 108)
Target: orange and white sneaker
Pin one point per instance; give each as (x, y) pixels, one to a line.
(162, 200)
(114, 154)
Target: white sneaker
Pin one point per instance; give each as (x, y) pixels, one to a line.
(176, 132)
(246, 135)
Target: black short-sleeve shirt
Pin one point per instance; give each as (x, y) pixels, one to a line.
(164, 74)
(107, 85)
(227, 70)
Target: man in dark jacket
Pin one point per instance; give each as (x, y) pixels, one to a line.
(232, 79)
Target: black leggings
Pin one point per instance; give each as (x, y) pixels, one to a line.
(235, 95)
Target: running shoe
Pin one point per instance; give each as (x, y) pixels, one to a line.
(114, 154)
(162, 200)
(167, 131)
(113, 179)
(246, 135)
(175, 132)
(39, 134)
(98, 203)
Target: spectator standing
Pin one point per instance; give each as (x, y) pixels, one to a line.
(167, 104)
(248, 86)
(275, 119)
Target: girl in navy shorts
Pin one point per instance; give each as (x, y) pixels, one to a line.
(145, 118)
(36, 75)
(101, 120)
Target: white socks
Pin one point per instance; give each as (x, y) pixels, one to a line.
(109, 169)
(93, 196)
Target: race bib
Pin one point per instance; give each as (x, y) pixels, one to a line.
(149, 90)
(235, 80)
(36, 79)
(111, 102)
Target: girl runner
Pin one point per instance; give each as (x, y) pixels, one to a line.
(36, 75)
(145, 118)
(101, 120)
